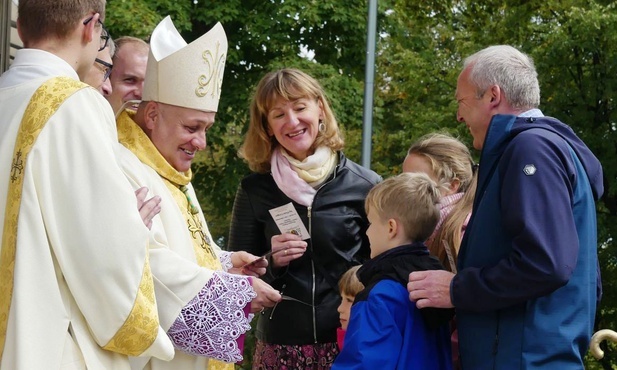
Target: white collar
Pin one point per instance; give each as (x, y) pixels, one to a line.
(535, 112)
(32, 64)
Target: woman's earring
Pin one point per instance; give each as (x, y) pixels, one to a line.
(322, 126)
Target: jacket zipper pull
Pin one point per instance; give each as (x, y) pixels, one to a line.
(308, 213)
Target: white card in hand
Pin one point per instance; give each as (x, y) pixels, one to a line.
(288, 221)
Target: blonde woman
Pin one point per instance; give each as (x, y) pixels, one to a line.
(293, 145)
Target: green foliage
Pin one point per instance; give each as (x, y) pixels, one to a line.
(419, 56)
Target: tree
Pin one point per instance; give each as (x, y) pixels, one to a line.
(573, 45)
(420, 51)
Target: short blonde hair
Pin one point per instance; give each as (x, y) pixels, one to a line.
(290, 84)
(349, 284)
(410, 198)
(139, 44)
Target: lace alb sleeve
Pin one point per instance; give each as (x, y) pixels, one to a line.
(225, 258)
(213, 321)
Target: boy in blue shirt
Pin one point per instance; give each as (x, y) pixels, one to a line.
(386, 330)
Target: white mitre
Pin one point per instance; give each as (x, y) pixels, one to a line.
(190, 75)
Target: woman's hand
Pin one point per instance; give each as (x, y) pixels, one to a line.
(286, 248)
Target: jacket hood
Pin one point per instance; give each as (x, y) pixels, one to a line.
(590, 162)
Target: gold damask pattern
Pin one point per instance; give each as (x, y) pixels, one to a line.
(140, 329)
(43, 104)
(202, 241)
(141, 326)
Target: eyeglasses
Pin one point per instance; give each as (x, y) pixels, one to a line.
(104, 32)
(105, 67)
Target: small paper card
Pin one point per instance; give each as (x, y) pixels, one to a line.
(288, 221)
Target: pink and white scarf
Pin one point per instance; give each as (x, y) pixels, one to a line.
(298, 179)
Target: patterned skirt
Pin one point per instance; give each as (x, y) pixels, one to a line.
(318, 356)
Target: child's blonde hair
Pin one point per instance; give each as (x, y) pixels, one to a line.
(450, 160)
(349, 284)
(411, 199)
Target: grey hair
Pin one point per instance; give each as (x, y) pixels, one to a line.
(513, 71)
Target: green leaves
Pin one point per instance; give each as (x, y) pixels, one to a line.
(420, 49)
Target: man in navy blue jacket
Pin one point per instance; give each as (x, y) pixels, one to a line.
(528, 279)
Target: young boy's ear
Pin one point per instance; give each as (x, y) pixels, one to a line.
(393, 227)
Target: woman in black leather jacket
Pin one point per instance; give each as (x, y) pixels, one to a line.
(293, 145)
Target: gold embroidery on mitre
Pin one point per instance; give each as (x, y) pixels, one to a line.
(44, 103)
(141, 326)
(212, 80)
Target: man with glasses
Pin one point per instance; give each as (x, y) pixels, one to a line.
(76, 288)
(104, 33)
(98, 75)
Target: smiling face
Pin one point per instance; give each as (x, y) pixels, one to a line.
(127, 77)
(476, 112)
(295, 125)
(178, 133)
(344, 310)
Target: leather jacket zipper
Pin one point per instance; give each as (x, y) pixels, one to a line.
(310, 223)
(310, 231)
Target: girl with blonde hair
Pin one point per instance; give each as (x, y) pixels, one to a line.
(449, 163)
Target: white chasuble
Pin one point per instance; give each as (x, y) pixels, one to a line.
(82, 292)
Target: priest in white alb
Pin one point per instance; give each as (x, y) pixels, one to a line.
(76, 288)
